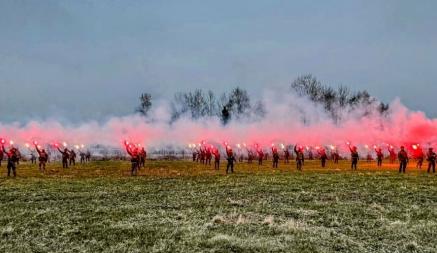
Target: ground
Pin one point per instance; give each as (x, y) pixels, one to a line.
(180, 206)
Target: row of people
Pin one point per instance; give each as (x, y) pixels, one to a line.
(402, 156)
(13, 157)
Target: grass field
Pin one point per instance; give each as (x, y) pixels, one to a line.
(180, 206)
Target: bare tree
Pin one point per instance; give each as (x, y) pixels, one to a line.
(336, 101)
(193, 103)
(239, 102)
(308, 85)
(198, 104)
(145, 104)
(343, 94)
(211, 103)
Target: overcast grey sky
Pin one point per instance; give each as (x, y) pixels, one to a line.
(93, 58)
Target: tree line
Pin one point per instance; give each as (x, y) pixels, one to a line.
(338, 101)
(237, 104)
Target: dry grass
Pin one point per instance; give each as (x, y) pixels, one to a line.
(185, 207)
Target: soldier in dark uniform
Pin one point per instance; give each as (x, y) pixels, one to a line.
(12, 160)
(134, 154)
(18, 155)
(260, 156)
(420, 156)
(323, 157)
(275, 156)
(379, 156)
(403, 160)
(202, 155)
(354, 157)
(392, 155)
(241, 157)
(216, 159)
(72, 157)
(299, 157)
(143, 156)
(208, 156)
(1, 156)
(82, 157)
(431, 157)
(310, 154)
(88, 156)
(369, 157)
(65, 157)
(32, 158)
(286, 155)
(43, 157)
(335, 156)
(250, 156)
(231, 159)
(198, 155)
(194, 155)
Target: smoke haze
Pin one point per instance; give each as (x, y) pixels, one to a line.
(289, 119)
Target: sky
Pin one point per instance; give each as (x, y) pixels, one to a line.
(90, 60)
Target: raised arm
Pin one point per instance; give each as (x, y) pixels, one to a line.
(37, 149)
(128, 150)
(295, 149)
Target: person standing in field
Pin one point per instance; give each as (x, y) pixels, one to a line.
(12, 160)
(420, 156)
(1, 156)
(299, 157)
(379, 156)
(216, 159)
(323, 157)
(134, 154)
(194, 155)
(335, 156)
(260, 156)
(275, 156)
(72, 157)
(369, 157)
(82, 157)
(392, 155)
(354, 157)
(32, 158)
(286, 155)
(208, 156)
(403, 160)
(231, 159)
(250, 156)
(88, 156)
(431, 157)
(143, 156)
(42, 157)
(65, 156)
(310, 154)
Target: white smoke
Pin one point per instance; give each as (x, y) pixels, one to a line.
(289, 119)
